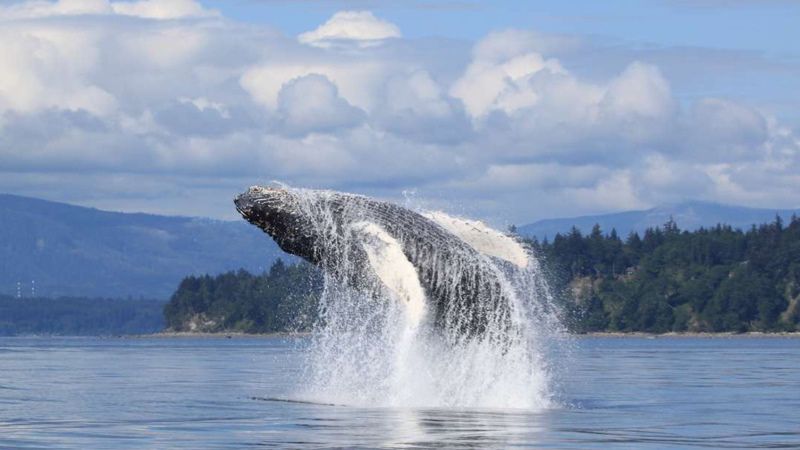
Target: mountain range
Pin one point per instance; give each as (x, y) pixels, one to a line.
(689, 215)
(68, 250)
(72, 250)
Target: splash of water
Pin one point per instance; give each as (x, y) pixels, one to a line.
(378, 344)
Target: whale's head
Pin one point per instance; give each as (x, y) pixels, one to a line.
(279, 213)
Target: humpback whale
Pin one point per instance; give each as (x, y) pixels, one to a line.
(447, 271)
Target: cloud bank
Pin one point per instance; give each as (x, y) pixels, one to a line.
(167, 106)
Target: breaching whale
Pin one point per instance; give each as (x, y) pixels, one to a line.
(448, 271)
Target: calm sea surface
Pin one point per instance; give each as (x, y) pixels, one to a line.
(87, 393)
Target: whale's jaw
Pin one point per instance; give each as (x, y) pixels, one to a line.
(258, 203)
(277, 213)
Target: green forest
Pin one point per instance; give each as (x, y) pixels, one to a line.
(716, 279)
(281, 299)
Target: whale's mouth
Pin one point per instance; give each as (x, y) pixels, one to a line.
(244, 204)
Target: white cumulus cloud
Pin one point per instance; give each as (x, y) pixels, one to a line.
(183, 101)
(152, 9)
(311, 104)
(351, 26)
(162, 9)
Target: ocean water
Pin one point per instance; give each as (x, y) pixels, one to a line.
(186, 393)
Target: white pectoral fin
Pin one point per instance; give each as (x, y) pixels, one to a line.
(482, 238)
(393, 268)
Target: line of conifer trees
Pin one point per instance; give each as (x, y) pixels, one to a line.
(712, 279)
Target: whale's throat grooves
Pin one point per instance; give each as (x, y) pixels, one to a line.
(393, 268)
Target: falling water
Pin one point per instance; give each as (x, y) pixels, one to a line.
(379, 342)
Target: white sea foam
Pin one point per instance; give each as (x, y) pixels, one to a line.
(482, 238)
(378, 343)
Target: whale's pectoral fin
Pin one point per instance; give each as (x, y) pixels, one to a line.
(482, 238)
(393, 269)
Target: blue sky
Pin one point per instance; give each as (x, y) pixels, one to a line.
(507, 111)
(765, 28)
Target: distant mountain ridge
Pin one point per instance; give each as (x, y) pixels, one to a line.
(77, 251)
(689, 215)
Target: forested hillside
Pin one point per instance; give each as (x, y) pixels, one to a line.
(282, 299)
(716, 279)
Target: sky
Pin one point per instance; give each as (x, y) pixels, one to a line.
(505, 111)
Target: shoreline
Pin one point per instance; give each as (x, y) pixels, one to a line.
(220, 335)
(596, 334)
(690, 334)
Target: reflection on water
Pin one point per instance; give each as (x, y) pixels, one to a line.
(217, 393)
